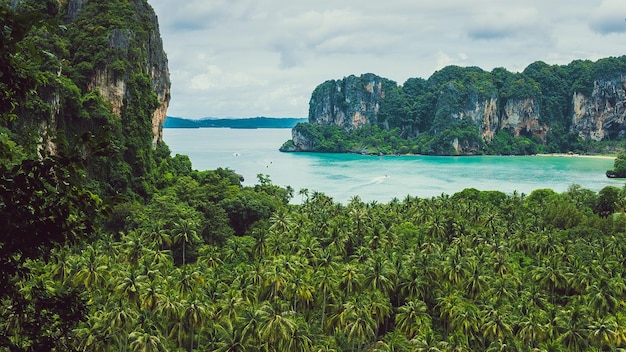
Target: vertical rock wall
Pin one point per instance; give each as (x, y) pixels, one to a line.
(603, 114)
(112, 85)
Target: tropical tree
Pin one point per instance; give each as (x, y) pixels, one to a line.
(185, 234)
(413, 319)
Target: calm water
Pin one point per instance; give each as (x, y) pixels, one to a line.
(255, 151)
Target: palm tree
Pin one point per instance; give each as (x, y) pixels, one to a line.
(299, 340)
(277, 330)
(550, 277)
(229, 303)
(281, 222)
(158, 235)
(185, 233)
(531, 329)
(194, 315)
(357, 322)
(379, 274)
(413, 319)
(229, 338)
(92, 272)
(301, 291)
(604, 333)
(62, 265)
(152, 295)
(119, 319)
(466, 322)
(326, 284)
(304, 192)
(130, 286)
(350, 281)
(495, 327)
(572, 326)
(141, 341)
(187, 280)
(251, 319)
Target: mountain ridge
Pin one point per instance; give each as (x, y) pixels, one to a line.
(248, 122)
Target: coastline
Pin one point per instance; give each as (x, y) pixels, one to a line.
(567, 155)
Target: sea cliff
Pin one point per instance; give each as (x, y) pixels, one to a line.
(468, 110)
(106, 78)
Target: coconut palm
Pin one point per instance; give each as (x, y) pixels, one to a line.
(185, 233)
(572, 325)
(379, 274)
(229, 338)
(141, 341)
(413, 319)
(350, 280)
(604, 333)
(277, 329)
(326, 284)
(91, 272)
(495, 326)
(194, 314)
(531, 329)
(357, 322)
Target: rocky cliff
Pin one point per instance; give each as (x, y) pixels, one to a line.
(107, 82)
(350, 103)
(601, 115)
(112, 85)
(553, 106)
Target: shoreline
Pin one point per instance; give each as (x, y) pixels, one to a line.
(566, 155)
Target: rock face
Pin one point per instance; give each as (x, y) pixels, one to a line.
(73, 8)
(349, 103)
(603, 114)
(354, 102)
(112, 85)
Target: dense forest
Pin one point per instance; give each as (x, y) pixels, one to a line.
(110, 244)
(467, 110)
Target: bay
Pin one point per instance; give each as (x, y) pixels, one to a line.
(250, 152)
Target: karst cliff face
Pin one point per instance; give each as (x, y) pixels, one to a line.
(113, 86)
(602, 115)
(349, 103)
(354, 102)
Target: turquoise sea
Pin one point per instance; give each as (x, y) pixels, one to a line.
(250, 152)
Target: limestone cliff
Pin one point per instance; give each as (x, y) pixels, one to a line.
(602, 115)
(350, 103)
(112, 85)
(467, 110)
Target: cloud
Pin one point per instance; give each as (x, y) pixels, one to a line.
(250, 57)
(214, 78)
(609, 17)
(505, 22)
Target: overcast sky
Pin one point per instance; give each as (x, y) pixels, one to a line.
(246, 58)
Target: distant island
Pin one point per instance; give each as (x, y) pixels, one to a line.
(577, 108)
(252, 122)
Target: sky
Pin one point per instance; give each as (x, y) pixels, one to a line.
(247, 58)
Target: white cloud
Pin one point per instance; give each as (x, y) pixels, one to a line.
(609, 17)
(250, 57)
(215, 78)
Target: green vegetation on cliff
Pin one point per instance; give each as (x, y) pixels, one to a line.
(466, 110)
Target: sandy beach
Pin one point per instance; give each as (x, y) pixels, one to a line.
(578, 156)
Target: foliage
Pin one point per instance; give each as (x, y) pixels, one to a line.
(619, 167)
(473, 269)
